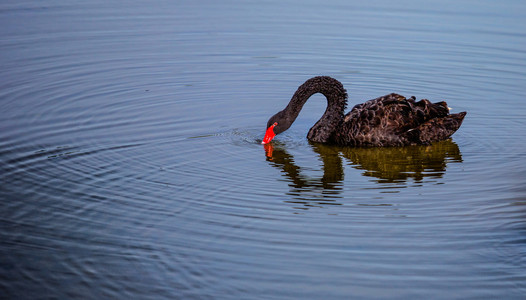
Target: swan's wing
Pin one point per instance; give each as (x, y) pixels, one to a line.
(384, 121)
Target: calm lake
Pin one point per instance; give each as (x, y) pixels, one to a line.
(131, 165)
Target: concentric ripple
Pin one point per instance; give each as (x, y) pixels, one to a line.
(131, 163)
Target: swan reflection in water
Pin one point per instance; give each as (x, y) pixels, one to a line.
(391, 166)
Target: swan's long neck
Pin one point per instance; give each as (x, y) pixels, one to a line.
(336, 96)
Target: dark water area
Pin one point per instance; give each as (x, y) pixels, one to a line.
(131, 163)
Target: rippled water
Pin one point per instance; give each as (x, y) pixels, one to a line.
(131, 165)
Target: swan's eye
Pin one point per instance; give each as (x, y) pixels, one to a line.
(275, 124)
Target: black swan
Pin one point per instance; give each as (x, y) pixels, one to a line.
(391, 120)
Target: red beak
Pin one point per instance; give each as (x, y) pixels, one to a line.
(269, 135)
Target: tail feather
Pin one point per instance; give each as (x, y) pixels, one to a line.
(437, 129)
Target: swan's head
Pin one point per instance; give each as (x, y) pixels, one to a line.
(276, 125)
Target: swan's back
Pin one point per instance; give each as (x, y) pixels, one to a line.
(393, 120)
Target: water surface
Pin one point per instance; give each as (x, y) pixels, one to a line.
(131, 163)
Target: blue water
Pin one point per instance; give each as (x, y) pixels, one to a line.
(131, 163)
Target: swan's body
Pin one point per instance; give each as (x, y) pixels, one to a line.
(391, 120)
